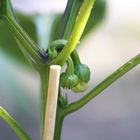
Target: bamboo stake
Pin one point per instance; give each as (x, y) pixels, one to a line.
(51, 105)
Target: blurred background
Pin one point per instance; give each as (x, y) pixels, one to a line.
(114, 114)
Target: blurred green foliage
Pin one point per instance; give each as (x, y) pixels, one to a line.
(29, 24)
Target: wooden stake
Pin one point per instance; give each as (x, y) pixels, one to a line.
(51, 105)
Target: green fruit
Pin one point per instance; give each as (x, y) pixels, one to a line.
(68, 81)
(83, 72)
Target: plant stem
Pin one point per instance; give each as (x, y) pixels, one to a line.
(78, 29)
(65, 17)
(70, 66)
(103, 85)
(74, 10)
(30, 46)
(32, 53)
(13, 124)
(69, 23)
(25, 53)
(75, 57)
(59, 124)
(7, 9)
(71, 17)
(44, 76)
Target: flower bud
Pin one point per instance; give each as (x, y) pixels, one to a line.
(52, 52)
(63, 100)
(68, 81)
(83, 72)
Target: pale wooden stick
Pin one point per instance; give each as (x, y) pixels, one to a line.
(51, 105)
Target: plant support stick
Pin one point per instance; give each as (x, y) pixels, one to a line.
(51, 105)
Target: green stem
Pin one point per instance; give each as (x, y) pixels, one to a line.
(65, 17)
(71, 17)
(103, 85)
(30, 46)
(70, 23)
(69, 26)
(70, 66)
(58, 124)
(44, 76)
(25, 53)
(75, 57)
(7, 9)
(78, 29)
(13, 124)
(32, 53)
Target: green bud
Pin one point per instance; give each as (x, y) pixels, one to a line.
(68, 81)
(63, 100)
(83, 72)
(55, 47)
(52, 52)
(80, 87)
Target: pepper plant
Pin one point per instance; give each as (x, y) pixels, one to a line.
(75, 23)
